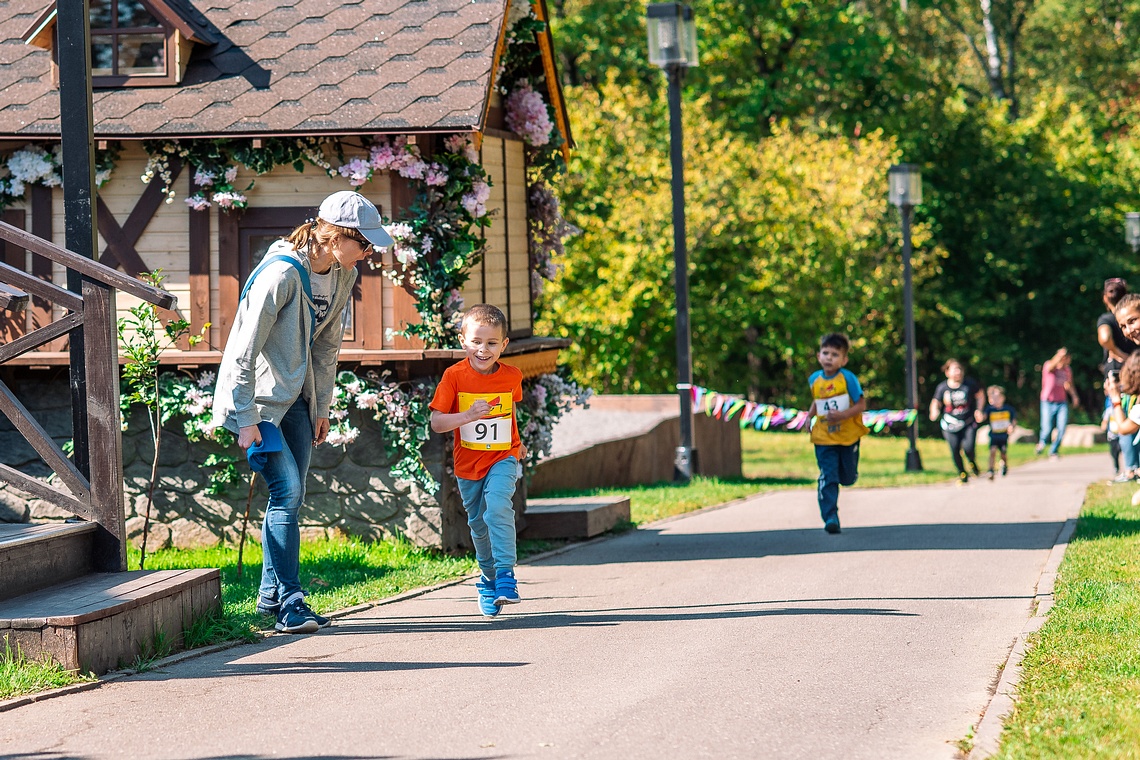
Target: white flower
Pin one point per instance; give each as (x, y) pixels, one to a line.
(198, 202)
(368, 400)
(206, 379)
(231, 174)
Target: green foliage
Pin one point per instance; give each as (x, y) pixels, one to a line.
(19, 675)
(780, 251)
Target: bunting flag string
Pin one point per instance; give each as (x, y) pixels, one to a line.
(768, 416)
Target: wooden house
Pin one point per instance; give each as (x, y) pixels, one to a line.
(258, 71)
(292, 97)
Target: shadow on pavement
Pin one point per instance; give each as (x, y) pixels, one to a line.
(314, 665)
(662, 545)
(592, 618)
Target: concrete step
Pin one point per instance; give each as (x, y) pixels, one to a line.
(574, 517)
(38, 555)
(102, 621)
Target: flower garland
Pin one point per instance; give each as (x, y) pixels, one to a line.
(522, 81)
(404, 417)
(546, 399)
(31, 165)
(766, 416)
(438, 244)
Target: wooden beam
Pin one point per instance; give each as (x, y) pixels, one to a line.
(40, 336)
(48, 291)
(12, 300)
(42, 490)
(120, 251)
(88, 268)
(229, 274)
(42, 213)
(104, 432)
(39, 440)
(13, 326)
(199, 239)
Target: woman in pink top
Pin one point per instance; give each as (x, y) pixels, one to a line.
(1056, 390)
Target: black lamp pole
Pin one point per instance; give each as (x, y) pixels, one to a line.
(913, 458)
(685, 457)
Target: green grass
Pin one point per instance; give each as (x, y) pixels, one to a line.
(335, 573)
(1079, 694)
(774, 461)
(19, 675)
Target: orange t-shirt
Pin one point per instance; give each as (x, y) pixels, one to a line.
(480, 444)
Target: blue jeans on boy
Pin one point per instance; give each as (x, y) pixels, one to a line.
(838, 465)
(285, 473)
(491, 516)
(1054, 414)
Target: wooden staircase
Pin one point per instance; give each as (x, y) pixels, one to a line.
(64, 591)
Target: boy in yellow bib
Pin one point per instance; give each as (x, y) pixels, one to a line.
(476, 398)
(837, 425)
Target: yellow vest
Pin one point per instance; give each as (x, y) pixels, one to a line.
(830, 394)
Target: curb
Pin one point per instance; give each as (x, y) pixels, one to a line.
(987, 738)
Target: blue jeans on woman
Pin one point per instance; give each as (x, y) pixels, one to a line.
(1054, 414)
(491, 516)
(285, 473)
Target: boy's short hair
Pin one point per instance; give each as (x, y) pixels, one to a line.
(484, 314)
(835, 340)
(995, 389)
(946, 365)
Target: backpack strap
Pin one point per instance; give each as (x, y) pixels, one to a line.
(306, 284)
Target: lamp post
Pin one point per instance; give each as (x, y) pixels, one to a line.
(673, 47)
(906, 192)
(1132, 229)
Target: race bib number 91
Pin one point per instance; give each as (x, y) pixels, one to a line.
(838, 403)
(493, 432)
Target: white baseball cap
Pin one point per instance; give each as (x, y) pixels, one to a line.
(351, 209)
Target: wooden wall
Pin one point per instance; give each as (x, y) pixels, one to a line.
(502, 279)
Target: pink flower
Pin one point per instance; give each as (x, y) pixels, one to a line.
(527, 116)
(382, 156)
(436, 176)
(203, 178)
(230, 200)
(198, 202)
(415, 168)
(368, 400)
(231, 174)
(358, 171)
(475, 202)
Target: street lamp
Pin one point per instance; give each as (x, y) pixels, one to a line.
(673, 47)
(906, 193)
(1132, 229)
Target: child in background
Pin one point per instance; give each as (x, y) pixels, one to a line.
(476, 398)
(837, 426)
(1002, 420)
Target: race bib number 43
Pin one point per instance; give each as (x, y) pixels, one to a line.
(493, 432)
(834, 404)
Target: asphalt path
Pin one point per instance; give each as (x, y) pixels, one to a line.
(738, 632)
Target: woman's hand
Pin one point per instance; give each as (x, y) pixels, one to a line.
(247, 436)
(321, 432)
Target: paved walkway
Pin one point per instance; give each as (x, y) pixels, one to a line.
(742, 632)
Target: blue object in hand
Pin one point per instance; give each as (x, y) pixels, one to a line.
(257, 454)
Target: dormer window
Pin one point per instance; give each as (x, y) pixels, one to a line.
(127, 40)
(133, 42)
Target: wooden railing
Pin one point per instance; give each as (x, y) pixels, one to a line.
(93, 492)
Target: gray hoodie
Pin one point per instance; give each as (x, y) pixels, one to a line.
(268, 360)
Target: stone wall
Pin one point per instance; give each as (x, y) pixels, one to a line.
(350, 490)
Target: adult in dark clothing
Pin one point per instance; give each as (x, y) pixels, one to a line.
(1117, 348)
(955, 400)
(1108, 334)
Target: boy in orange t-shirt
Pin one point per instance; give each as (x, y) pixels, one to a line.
(476, 398)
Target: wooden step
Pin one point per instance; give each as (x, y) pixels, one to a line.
(574, 517)
(38, 555)
(103, 621)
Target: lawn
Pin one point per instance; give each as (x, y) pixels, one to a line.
(19, 675)
(787, 460)
(1079, 695)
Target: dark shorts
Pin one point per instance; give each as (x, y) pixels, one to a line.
(999, 442)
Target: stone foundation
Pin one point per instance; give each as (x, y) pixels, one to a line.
(350, 490)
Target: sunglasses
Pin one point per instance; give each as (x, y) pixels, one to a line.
(365, 245)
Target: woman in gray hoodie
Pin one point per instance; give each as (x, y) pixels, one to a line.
(276, 379)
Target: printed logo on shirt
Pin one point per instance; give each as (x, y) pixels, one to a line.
(494, 431)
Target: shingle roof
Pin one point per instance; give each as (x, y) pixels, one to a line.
(316, 66)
